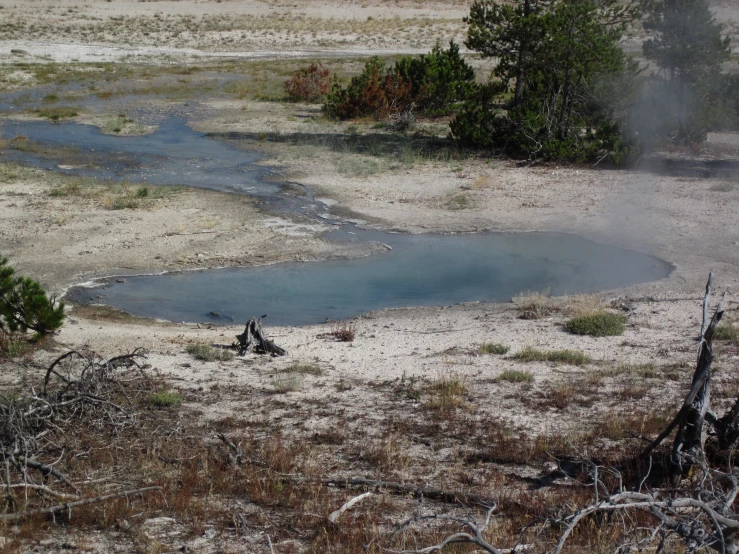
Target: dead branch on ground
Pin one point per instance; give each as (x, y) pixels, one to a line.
(79, 388)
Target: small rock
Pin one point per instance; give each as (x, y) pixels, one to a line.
(19, 52)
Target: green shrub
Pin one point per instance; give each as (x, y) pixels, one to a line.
(515, 376)
(432, 83)
(208, 353)
(439, 79)
(602, 324)
(24, 304)
(570, 357)
(165, 399)
(493, 348)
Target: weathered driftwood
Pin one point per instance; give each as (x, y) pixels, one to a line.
(253, 340)
(687, 448)
(334, 516)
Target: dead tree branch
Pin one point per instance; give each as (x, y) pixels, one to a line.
(15, 516)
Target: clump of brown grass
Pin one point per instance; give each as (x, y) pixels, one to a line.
(390, 454)
(482, 182)
(534, 305)
(581, 305)
(343, 332)
(447, 392)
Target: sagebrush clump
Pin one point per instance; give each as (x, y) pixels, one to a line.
(602, 324)
(207, 353)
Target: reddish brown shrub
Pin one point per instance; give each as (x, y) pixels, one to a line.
(308, 84)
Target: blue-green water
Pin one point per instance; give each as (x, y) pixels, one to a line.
(428, 270)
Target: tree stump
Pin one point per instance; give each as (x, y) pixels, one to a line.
(253, 340)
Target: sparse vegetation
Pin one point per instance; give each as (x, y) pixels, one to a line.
(285, 382)
(493, 348)
(516, 376)
(165, 399)
(343, 332)
(727, 331)
(722, 187)
(208, 353)
(569, 357)
(602, 324)
(447, 392)
(57, 113)
(304, 369)
(534, 305)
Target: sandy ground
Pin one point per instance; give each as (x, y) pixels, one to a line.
(62, 240)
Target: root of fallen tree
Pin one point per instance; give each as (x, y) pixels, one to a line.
(79, 389)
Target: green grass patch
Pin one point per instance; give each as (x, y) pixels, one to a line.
(569, 357)
(207, 353)
(515, 376)
(726, 332)
(57, 113)
(601, 324)
(460, 202)
(165, 399)
(493, 348)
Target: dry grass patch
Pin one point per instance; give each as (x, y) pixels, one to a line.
(287, 382)
(727, 331)
(208, 353)
(569, 357)
(493, 348)
(303, 369)
(482, 182)
(534, 305)
(515, 376)
(447, 392)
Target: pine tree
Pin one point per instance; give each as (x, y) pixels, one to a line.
(24, 304)
(689, 49)
(560, 82)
